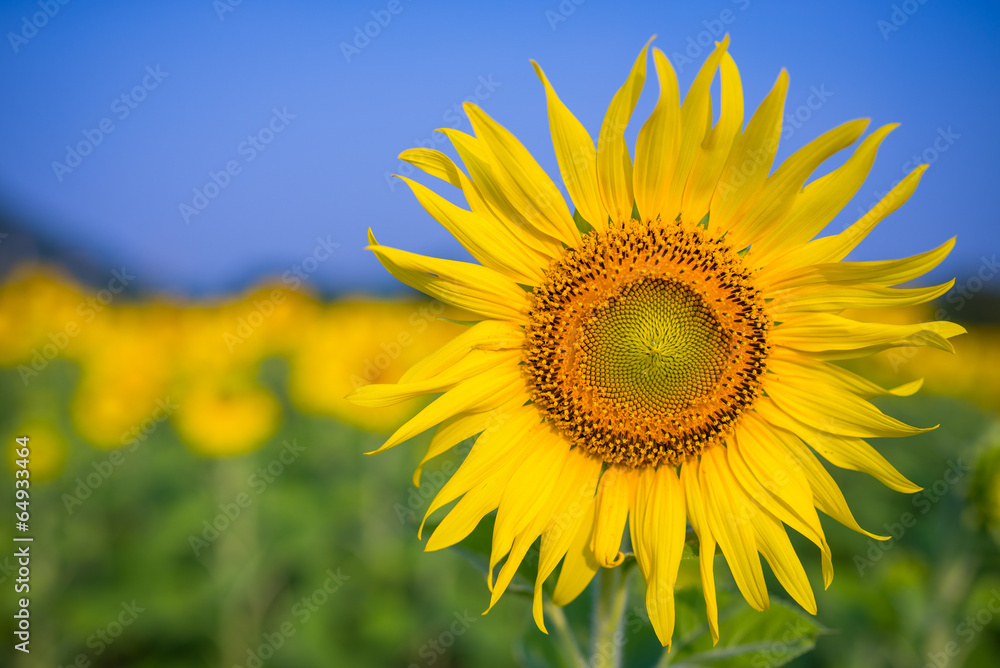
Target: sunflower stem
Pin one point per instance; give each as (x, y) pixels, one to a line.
(572, 654)
(234, 574)
(612, 594)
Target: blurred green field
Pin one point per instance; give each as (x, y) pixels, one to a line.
(302, 551)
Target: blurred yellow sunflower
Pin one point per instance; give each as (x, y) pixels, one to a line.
(663, 355)
(228, 416)
(354, 343)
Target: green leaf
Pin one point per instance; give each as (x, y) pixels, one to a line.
(581, 223)
(748, 637)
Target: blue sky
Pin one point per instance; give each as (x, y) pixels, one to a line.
(297, 116)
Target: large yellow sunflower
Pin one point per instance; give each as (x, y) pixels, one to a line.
(663, 356)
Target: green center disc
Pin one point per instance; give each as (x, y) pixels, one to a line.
(654, 346)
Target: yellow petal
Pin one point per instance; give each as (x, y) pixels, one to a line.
(697, 514)
(576, 156)
(658, 144)
(434, 163)
(493, 450)
(826, 493)
(711, 158)
(579, 566)
(660, 530)
(469, 511)
(377, 395)
(492, 245)
(485, 335)
(493, 194)
(832, 409)
(613, 496)
(836, 247)
(844, 451)
(821, 200)
(879, 272)
(484, 392)
(456, 429)
(536, 251)
(526, 185)
(527, 497)
(577, 499)
(467, 286)
(641, 512)
(731, 516)
(781, 189)
(549, 499)
(696, 122)
(857, 455)
(829, 336)
(773, 543)
(750, 160)
(780, 489)
(847, 240)
(790, 363)
(836, 297)
(615, 186)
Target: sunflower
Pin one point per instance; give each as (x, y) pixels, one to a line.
(661, 356)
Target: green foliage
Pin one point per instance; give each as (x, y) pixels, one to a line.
(327, 550)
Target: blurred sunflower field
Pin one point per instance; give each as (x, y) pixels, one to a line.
(200, 497)
(188, 296)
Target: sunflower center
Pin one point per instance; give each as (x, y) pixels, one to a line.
(646, 343)
(654, 345)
